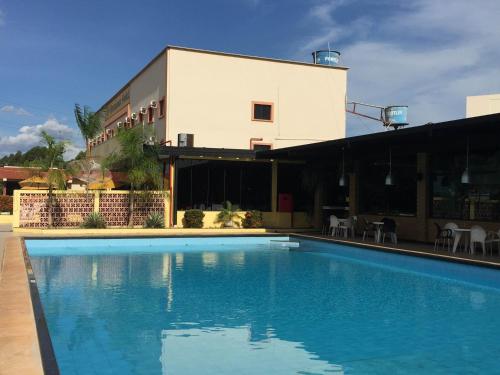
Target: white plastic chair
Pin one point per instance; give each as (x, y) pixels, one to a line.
(347, 227)
(451, 226)
(334, 225)
(492, 238)
(477, 235)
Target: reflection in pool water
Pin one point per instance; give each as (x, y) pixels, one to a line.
(229, 350)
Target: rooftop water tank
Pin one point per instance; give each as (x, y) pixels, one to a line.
(396, 115)
(326, 57)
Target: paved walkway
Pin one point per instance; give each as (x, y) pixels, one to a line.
(5, 231)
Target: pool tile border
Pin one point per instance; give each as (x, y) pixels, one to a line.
(47, 353)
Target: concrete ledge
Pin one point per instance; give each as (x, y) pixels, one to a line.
(136, 232)
(19, 348)
(6, 219)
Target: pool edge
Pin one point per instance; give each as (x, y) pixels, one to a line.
(394, 250)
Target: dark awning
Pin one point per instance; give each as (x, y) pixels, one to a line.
(166, 152)
(432, 136)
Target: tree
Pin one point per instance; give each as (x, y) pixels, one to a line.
(53, 166)
(88, 122)
(140, 163)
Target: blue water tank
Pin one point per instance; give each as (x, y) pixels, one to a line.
(396, 115)
(325, 57)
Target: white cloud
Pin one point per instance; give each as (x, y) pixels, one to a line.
(16, 110)
(430, 55)
(28, 136)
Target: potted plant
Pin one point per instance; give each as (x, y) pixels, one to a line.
(227, 215)
(253, 219)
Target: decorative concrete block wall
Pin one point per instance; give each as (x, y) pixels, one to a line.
(71, 208)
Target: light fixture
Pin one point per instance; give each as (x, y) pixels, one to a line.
(465, 175)
(389, 181)
(342, 176)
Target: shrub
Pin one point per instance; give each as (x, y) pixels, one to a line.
(94, 221)
(154, 220)
(193, 219)
(6, 202)
(252, 219)
(227, 215)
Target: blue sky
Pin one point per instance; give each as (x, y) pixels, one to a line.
(428, 54)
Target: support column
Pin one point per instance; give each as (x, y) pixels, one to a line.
(274, 187)
(353, 194)
(423, 171)
(97, 197)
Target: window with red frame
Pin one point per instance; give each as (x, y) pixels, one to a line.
(150, 115)
(162, 107)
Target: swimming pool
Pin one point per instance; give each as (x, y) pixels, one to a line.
(239, 305)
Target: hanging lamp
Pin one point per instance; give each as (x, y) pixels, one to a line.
(389, 181)
(465, 179)
(342, 176)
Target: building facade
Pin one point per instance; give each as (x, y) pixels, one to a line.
(219, 100)
(480, 105)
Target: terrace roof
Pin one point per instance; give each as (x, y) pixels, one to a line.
(428, 137)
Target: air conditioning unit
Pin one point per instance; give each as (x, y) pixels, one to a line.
(153, 104)
(150, 141)
(133, 116)
(119, 124)
(185, 140)
(143, 110)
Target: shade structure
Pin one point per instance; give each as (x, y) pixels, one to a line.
(35, 183)
(94, 175)
(104, 184)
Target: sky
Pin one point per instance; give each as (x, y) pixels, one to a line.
(427, 54)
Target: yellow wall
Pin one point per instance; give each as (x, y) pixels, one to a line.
(480, 105)
(210, 96)
(271, 219)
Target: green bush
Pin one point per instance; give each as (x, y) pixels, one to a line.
(193, 219)
(252, 219)
(94, 221)
(6, 202)
(154, 220)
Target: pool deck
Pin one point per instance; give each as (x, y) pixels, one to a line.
(19, 348)
(19, 341)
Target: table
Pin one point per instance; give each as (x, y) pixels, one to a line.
(458, 236)
(378, 230)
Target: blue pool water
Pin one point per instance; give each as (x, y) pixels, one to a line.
(241, 306)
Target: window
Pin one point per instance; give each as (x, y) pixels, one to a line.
(207, 184)
(262, 111)
(150, 115)
(297, 180)
(161, 107)
(375, 197)
(478, 200)
(261, 146)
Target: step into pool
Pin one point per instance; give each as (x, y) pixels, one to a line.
(239, 305)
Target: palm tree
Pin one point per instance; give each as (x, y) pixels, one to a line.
(140, 163)
(89, 124)
(53, 165)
